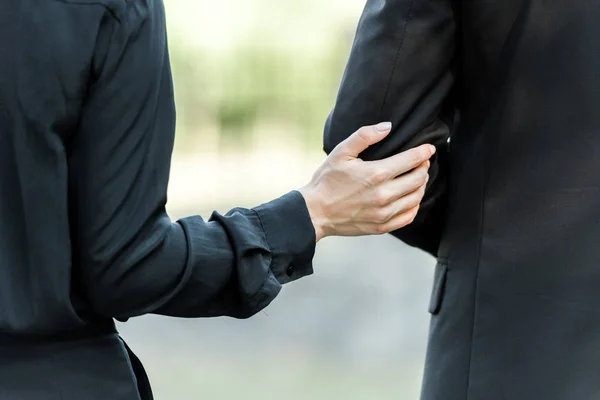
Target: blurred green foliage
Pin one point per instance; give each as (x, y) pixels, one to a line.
(258, 80)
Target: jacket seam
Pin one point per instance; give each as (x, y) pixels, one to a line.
(476, 289)
(485, 176)
(397, 58)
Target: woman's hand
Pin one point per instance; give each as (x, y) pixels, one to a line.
(351, 197)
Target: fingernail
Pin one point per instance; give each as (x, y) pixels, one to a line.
(432, 149)
(384, 126)
(427, 179)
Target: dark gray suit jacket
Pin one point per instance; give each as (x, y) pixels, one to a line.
(513, 209)
(87, 122)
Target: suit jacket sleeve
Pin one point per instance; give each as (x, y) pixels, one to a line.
(131, 258)
(401, 69)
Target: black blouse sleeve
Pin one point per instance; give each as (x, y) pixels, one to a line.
(131, 257)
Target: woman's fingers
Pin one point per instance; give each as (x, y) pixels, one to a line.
(394, 189)
(381, 215)
(404, 162)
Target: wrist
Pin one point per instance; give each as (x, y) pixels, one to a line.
(315, 210)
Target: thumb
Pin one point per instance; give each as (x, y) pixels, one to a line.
(360, 140)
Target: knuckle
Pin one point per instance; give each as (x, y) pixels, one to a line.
(380, 198)
(419, 179)
(418, 196)
(398, 223)
(382, 215)
(381, 229)
(414, 213)
(378, 175)
(413, 216)
(413, 203)
(408, 218)
(364, 133)
(417, 156)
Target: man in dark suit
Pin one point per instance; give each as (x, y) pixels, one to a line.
(86, 130)
(512, 210)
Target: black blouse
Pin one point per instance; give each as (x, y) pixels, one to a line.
(87, 122)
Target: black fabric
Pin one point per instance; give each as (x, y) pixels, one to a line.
(143, 383)
(439, 282)
(87, 124)
(513, 204)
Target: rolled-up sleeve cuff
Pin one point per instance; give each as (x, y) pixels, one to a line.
(290, 236)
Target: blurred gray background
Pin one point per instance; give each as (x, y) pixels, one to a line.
(255, 80)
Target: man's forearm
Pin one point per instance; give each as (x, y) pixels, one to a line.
(402, 69)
